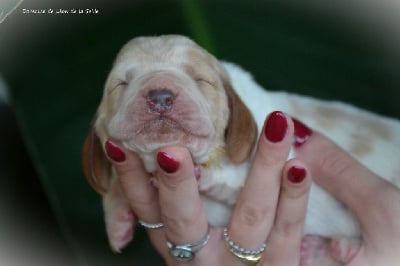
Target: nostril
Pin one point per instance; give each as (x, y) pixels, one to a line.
(160, 101)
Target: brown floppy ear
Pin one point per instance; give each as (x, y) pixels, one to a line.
(241, 132)
(96, 166)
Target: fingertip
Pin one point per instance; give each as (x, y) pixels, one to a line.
(296, 177)
(276, 140)
(296, 174)
(175, 167)
(167, 162)
(179, 153)
(123, 160)
(174, 161)
(277, 127)
(114, 152)
(301, 133)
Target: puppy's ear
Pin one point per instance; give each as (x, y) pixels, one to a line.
(96, 166)
(241, 133)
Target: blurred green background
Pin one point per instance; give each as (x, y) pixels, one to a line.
(55, 67)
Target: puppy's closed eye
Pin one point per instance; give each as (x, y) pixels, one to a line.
(204, 80)
(117, 85)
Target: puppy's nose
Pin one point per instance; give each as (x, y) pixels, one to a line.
(160, 101)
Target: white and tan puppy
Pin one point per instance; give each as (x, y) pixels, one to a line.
(167, 90)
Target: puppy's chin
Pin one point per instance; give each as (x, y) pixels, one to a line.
(162, 132)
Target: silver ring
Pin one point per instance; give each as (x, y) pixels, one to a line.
(151, 226)
(186, 252)
(247, 256)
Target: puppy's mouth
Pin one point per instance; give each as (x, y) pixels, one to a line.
(165, 127)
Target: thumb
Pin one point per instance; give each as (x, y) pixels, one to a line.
(371, 198)
(341, 175)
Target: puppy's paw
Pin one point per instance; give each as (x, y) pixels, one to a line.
(315, 251)
(344, 249)
(120, 229)
(119, 218)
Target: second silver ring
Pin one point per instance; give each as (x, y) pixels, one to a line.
(151, 226)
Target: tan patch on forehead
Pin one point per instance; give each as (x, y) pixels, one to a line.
(196, 55)
(361, 145)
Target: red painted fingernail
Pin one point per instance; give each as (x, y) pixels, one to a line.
(167, 162)
(296, 174)
(114, 152)
(301, 133)
(276, 127)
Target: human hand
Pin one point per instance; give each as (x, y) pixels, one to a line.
(270, 209)
(374, 201)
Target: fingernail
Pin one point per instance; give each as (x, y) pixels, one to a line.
(296, 174)
(276, 127)
(114, 152)
(301, 133)
(167, 162)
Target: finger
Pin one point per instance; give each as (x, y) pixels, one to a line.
(135, 182)
(336, 171)
(350, 182)
(283, 244)
(182, 212)
(254, 213)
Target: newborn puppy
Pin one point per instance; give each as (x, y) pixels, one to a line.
(167, 90)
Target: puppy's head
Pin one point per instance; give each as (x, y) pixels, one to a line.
(165, 91)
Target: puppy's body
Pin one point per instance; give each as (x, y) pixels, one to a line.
(167, 90)
(372, 139)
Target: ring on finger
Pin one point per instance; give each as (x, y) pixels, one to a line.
(247, 256)
(150, 225)
(186, 252)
